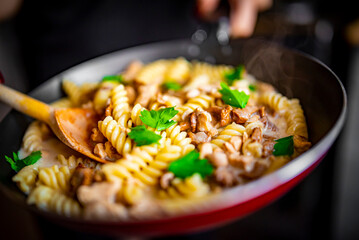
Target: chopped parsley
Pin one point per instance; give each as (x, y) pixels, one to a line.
(142, 136)
(233, 97)
(113, 78)
(284, 146)
(17, 164)
(172, 85)
(160, 119)
(234, 74)
(252, 87)
(190, 164)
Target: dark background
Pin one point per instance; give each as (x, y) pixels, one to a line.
(46, 38)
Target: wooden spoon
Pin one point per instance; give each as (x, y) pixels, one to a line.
(71, 125)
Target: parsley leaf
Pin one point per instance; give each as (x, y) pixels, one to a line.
(252, 87)
(233, 97)
(234, 74)
(172, 86)
(17, 164)
(284, 146)
(160, 119)
(113, 78)
(142, 136)
(190, 164)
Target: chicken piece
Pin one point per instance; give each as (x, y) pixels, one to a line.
(168, 100)
(268, 146)
(223, 115)
(193, 122)
(206, 149)
(262, 112)
(257, 135)
(258, 169)
(184, 126)
(226, 116)
(226, 177)
(97, 136)
(97, 192)
(268, 124)
(218, 158)
(131, 71)
(253, 119)
(200, 121)
(229, 148)
(99, 150)
(198, 138)
(111, 152)
(212, 132)
(105, 211)
(241, 116)
(236, 142)
(241, 161)
(301, 144)
(146, 93)
(204, 121)
(166, 179)
(108, 110)
(81, 176)
(131, 94)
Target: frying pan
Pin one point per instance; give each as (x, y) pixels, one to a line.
(293, 73)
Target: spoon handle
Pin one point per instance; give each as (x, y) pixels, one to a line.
(25, 104)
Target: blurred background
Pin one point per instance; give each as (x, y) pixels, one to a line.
(43, 38)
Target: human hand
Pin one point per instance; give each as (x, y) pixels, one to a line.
(243, 14)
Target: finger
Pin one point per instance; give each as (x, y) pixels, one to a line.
(263, 5)
(206, 7)
(243, 17)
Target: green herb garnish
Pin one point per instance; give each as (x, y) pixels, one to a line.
(234, 74)
(17, 164)
(233, 97)
(172, 86)
(160, 119)
(252, 87)
(142, 136)
(113, 78)
(190, 164)
(284, 146)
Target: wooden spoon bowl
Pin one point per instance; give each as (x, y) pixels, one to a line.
(71, 125)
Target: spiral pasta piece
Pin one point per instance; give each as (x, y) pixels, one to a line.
(72, 91)
(214, 73)
(191, 187)
(295, 119)
(32, 140)
(229, 131)
(275, 100)
(72, 162)
(102, 95)
(120, 107)
(136, 113)
(179, 138)
(200, 102)
(49, 199)
(116, 134)
(178, 70)
(55, 177)
(153, 72)
(26, 178)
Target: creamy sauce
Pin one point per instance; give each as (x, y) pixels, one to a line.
(51, 147)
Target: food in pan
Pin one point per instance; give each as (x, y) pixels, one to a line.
(171, 132)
